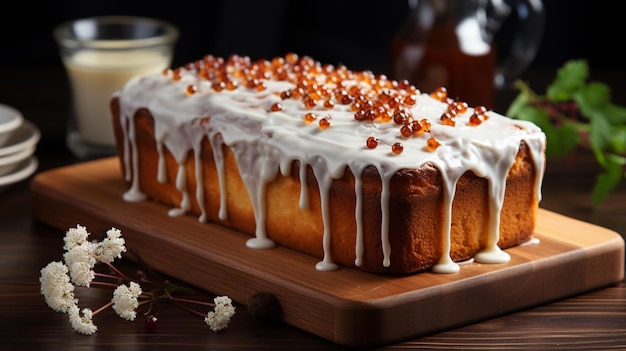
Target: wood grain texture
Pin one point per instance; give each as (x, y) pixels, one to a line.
(347, 307)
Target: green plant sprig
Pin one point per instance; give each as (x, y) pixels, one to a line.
(576, 112)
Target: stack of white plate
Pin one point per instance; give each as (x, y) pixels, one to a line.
(18, 141)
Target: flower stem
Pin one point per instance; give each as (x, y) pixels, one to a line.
(187, 308)
(117, 271)
(180, 299)
(105, 306)
(103, 284)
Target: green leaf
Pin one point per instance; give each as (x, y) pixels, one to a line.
(569, 78)
(600, 132)
(593, 99)
(618, 139)
(606, 182)
(517, 105)
(534, 114)
(616, 115)
(575, 113)
(566, 139)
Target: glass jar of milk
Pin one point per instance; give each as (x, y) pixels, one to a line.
(100, 55)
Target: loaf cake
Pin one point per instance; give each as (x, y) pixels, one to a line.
(350, 167)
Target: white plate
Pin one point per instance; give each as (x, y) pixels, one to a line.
(25, 136)
(11, 162)
(10, 119)
(26, 170)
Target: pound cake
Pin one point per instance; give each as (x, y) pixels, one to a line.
(347, 166)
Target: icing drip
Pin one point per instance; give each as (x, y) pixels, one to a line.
(384, 223)
(445, 263)
(304, 194)
(502, 161)
(161, 171)
(257, 169)
(326, 264)
(197, 134)
(133, 194)
(216, 144)
(320, 169)
(532, 241)
(181, 185)
(358, 215)
(126, 154)
(266, 138)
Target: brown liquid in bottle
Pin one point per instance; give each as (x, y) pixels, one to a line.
(438, 60)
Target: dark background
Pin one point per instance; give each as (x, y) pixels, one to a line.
(356, 33)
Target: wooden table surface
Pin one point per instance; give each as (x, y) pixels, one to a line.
(593, 320)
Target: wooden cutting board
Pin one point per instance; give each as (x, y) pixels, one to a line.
(346, 306)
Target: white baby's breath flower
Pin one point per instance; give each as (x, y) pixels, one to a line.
(82, 324)
(220, 317)
(75, 237)
(56, 287)
(80, 261)
(59, 280)
(125, 300)
(111, 247)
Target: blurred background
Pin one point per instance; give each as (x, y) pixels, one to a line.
(355, 33)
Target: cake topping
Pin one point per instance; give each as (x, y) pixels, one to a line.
(276, 107)
(191, 89)
(264, 111)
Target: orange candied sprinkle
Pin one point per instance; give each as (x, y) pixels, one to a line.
(191, 89)
(385, 116)
(410, 100)
(325, 123)
(360, 115)
(440, 94)
(291, 58)
(310, 117)
(457, 107)
(204, 74)
(176, 74)
(432, 144)
(447, 119)
(417, 127)
(218, 86)
(309, 102)
(297, 93)
(371, 142)
(406, 130)
(260, 86)
(276, 107)
(285, 94)
(394, 102)
(231, 85)
(401, 116)
(278, 62)
(404, 84)
(479, 110)
(370, 115)
(397, 148)
(346, 99)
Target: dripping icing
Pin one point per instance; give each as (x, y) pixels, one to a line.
(263, 143)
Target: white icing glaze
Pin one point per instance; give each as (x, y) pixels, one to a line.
(266, 142)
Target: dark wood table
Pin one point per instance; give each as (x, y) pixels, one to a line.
(593, 320)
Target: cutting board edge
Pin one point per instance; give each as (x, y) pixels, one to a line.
(344, 313)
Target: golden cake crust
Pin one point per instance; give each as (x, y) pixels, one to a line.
(416, 205)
